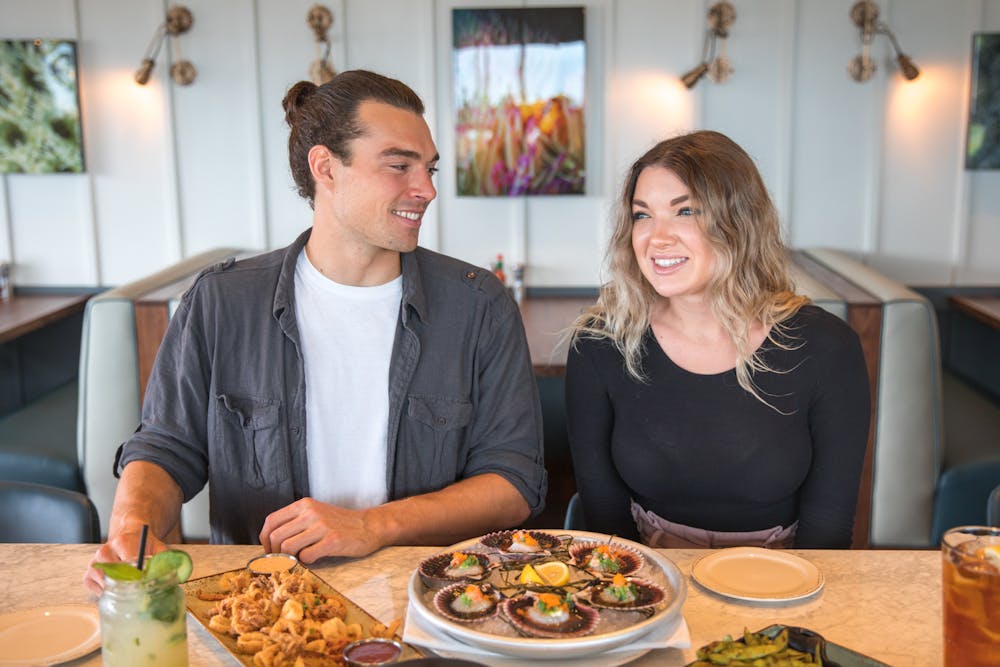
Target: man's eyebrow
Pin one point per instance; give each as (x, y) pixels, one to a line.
(678, 200)
(406, 153)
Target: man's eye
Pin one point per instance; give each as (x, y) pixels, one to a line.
(400, 167)
(432, 170)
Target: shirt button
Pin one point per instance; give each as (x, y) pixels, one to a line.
(470, 275)
(295, 429)
(440, 421)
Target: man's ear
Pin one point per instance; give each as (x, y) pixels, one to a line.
(321, 164)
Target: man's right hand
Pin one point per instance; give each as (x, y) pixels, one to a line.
(123, 547)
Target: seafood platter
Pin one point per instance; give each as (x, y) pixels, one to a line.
(528, 592)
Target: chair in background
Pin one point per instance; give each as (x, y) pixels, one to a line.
(574, 515)
(993, 508)
(46, 514)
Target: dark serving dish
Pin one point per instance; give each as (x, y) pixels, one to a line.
(833, 655)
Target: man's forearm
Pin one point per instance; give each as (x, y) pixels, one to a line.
(470, 506)
(146, 494)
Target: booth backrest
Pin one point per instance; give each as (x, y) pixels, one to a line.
(109, 396)
(908, 424)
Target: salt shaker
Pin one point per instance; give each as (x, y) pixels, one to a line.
(518, 285)
(6, 288)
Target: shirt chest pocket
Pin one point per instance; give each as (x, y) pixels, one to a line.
(254, 438)
(441, 422)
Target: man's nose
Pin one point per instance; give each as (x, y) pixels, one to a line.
(423, 186)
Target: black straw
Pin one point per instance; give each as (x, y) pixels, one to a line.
(142, 545)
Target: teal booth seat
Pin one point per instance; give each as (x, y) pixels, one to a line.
(963, 495)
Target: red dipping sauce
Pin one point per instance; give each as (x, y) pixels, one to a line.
(368, 652)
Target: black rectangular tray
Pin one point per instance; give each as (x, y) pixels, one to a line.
(834, 655)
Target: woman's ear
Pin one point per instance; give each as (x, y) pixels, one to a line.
(320, 164)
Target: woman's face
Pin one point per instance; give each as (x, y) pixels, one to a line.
(670, 246)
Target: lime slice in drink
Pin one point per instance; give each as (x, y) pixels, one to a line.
(169, 561)
(119, 571)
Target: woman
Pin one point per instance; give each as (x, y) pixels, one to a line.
(708, 404)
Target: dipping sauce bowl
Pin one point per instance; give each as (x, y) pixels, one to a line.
(268, 563)
(372, 652)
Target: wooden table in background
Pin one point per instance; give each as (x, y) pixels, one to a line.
(22, 314)
(986, 309)
(885, 604)
(546, 321)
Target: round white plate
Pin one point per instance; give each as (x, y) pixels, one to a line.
(547, 649)
(754, 574)
(49, 635)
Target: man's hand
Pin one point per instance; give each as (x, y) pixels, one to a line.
(311, 530)
(124, 547)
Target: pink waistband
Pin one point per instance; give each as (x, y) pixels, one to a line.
(659, 533)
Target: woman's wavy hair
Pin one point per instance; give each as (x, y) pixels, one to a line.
(750, 282)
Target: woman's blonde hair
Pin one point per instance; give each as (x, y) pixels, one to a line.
(750, 282)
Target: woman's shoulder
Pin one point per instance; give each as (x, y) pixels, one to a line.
(819, 328)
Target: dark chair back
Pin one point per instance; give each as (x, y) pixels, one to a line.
(47, 514)
(993, 508)
(574, 514)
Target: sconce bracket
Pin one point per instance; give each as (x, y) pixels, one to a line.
(721, 16)
(864, 14)
(179, 20)
(320, 19)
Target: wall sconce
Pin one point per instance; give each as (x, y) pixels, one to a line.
(177, 22)
(721, 16)
(864, 14)
(320, 19)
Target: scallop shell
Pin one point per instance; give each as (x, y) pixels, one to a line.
(433, 571)
(444, 598)
(582, 619)
(628, 558)
(648, 595)
(502, 541)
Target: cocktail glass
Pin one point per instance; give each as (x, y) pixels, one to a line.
(970, 570)
(143, 622)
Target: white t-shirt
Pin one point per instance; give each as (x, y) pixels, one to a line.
(346, 334)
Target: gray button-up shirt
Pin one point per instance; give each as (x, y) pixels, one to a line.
(226, 400)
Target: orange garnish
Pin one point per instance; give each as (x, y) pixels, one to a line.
(524, 538)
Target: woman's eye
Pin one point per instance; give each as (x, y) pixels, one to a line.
(686, 210)
(639, 215)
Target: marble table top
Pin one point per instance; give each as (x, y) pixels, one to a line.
(885, 604)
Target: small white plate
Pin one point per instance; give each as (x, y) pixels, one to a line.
(754, 574)
(49, 635)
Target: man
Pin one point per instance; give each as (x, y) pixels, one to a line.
(347, 392)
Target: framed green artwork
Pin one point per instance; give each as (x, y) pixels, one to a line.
(519, 76)
(40, 131)
(983, 138)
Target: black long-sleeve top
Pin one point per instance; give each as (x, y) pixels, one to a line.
(701, 451)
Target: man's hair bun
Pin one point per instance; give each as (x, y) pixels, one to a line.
(296, 96)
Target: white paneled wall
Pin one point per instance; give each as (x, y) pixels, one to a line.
(874, 168)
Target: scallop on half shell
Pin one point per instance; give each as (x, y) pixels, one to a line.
(468, 603)
(605, 559)
(449, 568)
(521, 542)
(626, 594)
(530, 616)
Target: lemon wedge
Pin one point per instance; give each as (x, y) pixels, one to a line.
(992, 554)
(529, 576)
(554, 573)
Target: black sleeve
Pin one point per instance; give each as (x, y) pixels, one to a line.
(590, 421)
(839, 415)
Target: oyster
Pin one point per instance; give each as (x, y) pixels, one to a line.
(529, 542)
(627, 594)
(550, 615)
(468, 603)
(452, 567)
(605, 559)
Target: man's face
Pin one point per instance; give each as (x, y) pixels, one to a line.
(379, 199)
